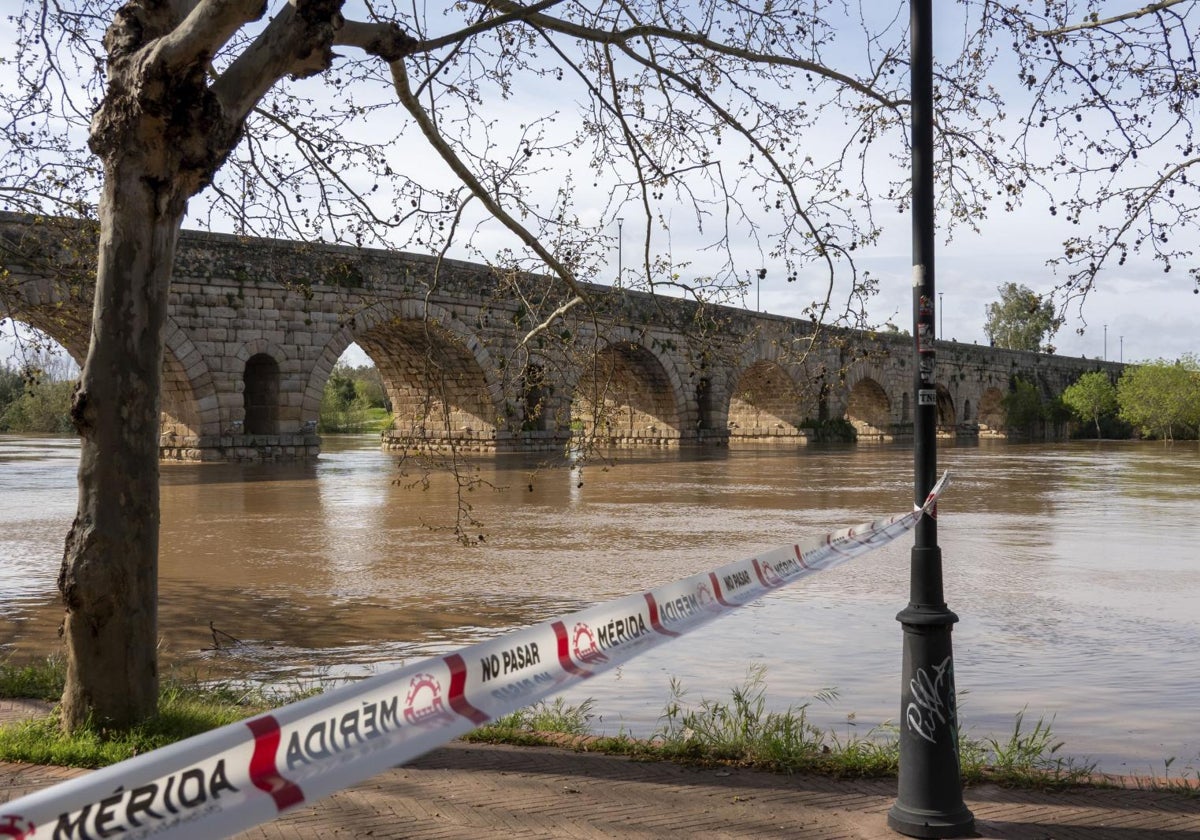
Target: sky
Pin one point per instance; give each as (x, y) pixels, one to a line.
(1145, 314)
(1135, 312)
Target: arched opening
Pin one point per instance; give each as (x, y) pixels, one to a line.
(946, 417)
(991, 413)
(534, 410)
(625, 396)
(37, 378)
(437, 390)
(869, 410)
(260, 395)
(354, 399)
(180, 416)
(966, 415)
(765, 404)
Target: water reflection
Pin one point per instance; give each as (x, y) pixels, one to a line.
(1073, 569)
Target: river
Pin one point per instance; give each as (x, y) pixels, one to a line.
(1074, 568)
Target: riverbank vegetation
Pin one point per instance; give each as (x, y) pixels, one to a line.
(742, 731)
(36, 397)
(354, 401)
(1162, 399)
(1157, 400)
(186, 707)
(739, 731)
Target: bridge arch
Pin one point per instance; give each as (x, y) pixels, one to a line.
(267, 393)
(441, 380)
(59, 310)
(260, 395)
(947, 420)
(626, 393)
(764, 402)
(190, 407)
(189, 404)
(992, 416)
(869, 409)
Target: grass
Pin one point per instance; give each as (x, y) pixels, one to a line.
(532, 724)
(357, 421)
(1186, 782)
(186, 707)
(1029, 758)
(41, 680)
(740, 730)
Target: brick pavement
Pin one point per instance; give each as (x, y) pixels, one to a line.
(470, 791)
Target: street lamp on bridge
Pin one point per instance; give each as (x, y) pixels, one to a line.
(620, 247)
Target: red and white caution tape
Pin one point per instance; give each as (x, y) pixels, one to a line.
(240, 775)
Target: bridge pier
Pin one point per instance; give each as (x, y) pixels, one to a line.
(225, 448)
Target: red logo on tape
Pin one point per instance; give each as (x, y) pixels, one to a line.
(424, 704)
(583, 645)
(16, 827)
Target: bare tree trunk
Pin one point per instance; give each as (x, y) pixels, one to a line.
(109, 572)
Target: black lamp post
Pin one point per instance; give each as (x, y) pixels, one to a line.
(929, 802)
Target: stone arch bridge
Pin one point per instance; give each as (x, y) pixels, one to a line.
(256, 327)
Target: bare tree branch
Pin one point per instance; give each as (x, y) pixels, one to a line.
(1096, 22)
(460, 169)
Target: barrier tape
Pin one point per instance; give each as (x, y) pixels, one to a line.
(243, 774)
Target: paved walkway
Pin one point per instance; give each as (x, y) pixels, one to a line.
(469, 792)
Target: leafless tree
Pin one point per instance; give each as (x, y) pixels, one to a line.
(1112, 94)
(761, 128)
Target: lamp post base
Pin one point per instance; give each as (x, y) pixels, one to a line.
(929, 801)
(920, 823)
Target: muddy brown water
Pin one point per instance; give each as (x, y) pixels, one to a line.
(1075, 570)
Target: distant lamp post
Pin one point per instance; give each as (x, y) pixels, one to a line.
(1106, 342)
(1122, 349)
(762, 275)
(941, 318)
(620, 247)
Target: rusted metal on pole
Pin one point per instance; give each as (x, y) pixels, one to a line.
(929, 801)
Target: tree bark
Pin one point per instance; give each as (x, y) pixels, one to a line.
(162, 132)
(109, 571)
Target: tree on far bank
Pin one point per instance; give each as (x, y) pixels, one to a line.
(35, 396)
(350, 394)
(1091, 397)
(1161, 397)
(42, 407)
(1021, 319)
(1024, 409)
